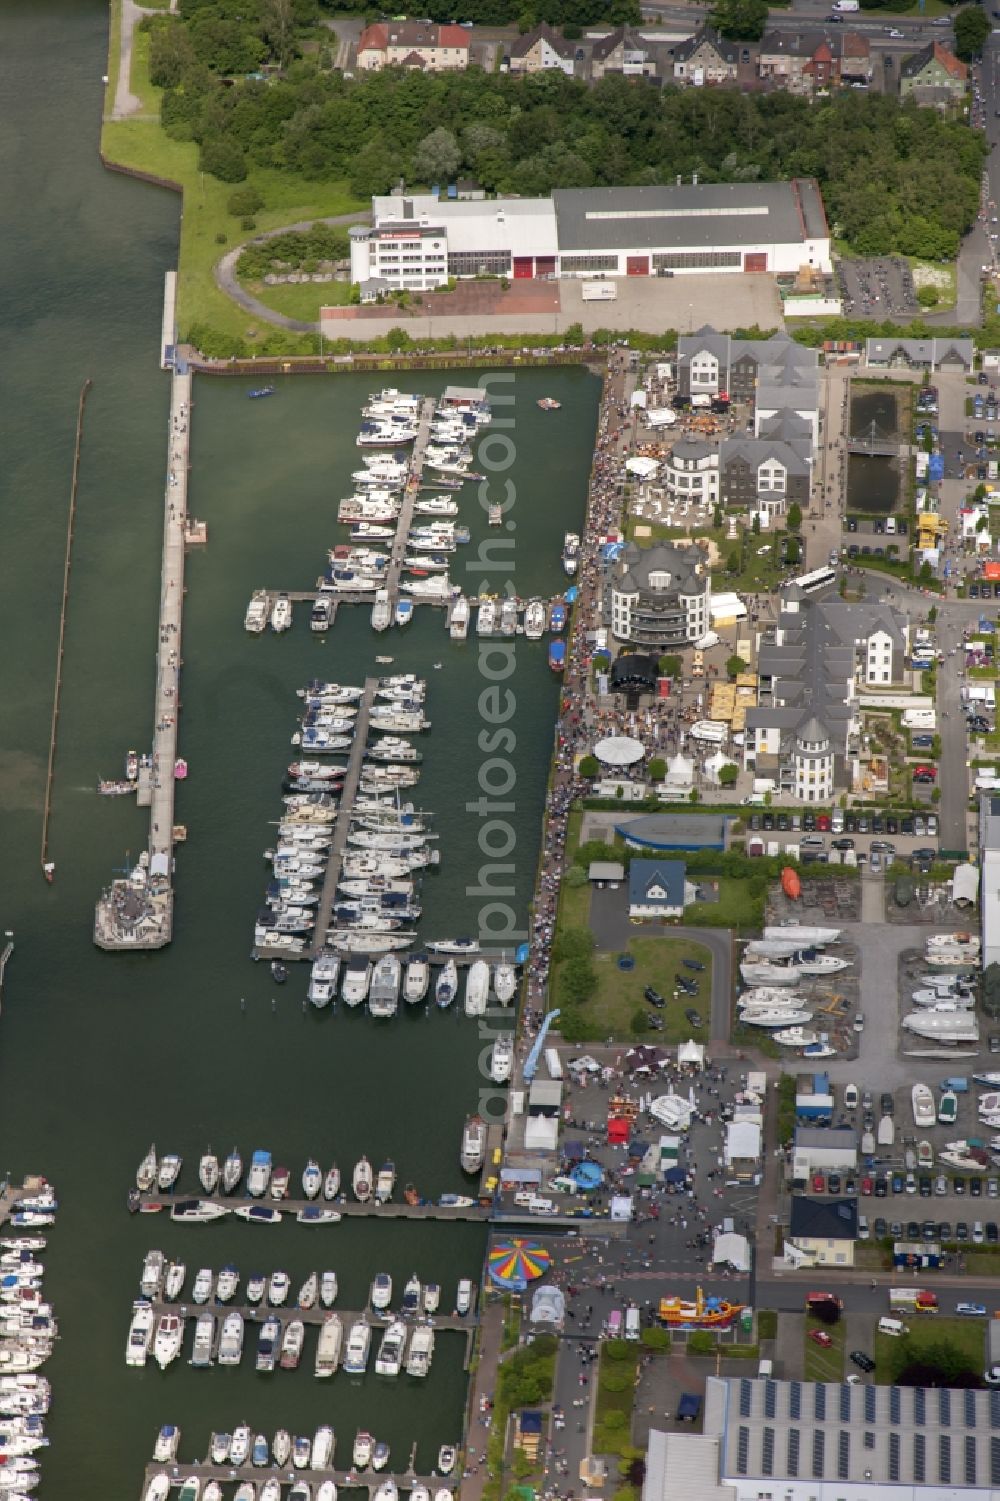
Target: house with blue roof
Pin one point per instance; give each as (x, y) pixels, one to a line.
(656, 888)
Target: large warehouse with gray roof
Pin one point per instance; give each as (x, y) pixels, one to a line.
(418, 241)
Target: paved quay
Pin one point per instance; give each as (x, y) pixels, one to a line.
(138, 913)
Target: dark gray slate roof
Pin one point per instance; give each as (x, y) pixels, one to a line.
(688, 215)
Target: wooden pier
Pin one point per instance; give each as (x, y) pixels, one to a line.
(365, 1480)
(136, 912)
(47, 868)
(345, 808)
(347, 1208)
(405, 522)
(255, 1314)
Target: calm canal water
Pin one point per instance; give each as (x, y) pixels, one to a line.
(873, 483)
(101, 1054)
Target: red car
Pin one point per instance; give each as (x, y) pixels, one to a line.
(867, 1186)
(818, 1183)
(820, 1336)
(823, 822)
(925, 771)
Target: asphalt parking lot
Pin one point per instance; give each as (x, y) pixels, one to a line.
(880, 287)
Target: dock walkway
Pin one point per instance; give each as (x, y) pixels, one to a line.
(405, 522)
(366, 1480)
(133, 915)
(257, 1313)
(347, 1208)
(345, 808)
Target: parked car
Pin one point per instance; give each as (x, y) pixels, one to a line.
(820, 1337)
(692, 964)
(887, 1104)
(653, 996)
(971, 1310)
(693, 1017)
(862, 1361)
(833, 1183)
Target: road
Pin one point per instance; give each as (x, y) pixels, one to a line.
(226, 280)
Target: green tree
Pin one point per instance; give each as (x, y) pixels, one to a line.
(793, 550)
(794, 517)
(244, 201)
(735, 665)
(656, 1338)
(640, 1020)
(972, 27)
(928, 296)
(741, 20)
(728, 776)
(575, 878)
(223, 158)
(589, 766)
(574, 943)
(734, 562)
(669, 667)
(577, 979)
(437, 157)
(926, 573)
(657, 769)
(755, 524)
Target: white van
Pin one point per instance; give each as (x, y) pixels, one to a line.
(632, 1324)
(765, 1370)
(837, 821)
(895, 1327)
(538, 1205)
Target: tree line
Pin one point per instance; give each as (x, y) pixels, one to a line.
(894, 177)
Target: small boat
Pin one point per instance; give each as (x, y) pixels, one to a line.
(387, 1491)
(158, 1488)
(259, 392)
(198, 1211)
(331, 1338)
(260, 1451)
(292, 1342)
(331, 1183)
(361, 1455)
(404, 611)
(477, 988)
(505, 982)
(203, 1284)
(358, 1348)
(301, 1450)
(924, 1114)
(925, 1155)
(256, 1288)
(168, 1339)
(239, 1449)
(411, 1296)
(258, 1214)
(380, 1293)
(281, 1448)
(328, 1289)
(570, 553)
(147, 1171)
(231, 1339)
(271, 1490)
(318, 1214)
(232, 1172)
(447, 1455)
(167, 1441)
(947, 1110)
(259, 1175)
(176, 1272)
(411, 1195)
(548, 404)
(557, 655)
(385, 1183)
(208, 1171)
(417, 979)
(227, 1285)
(473, 1144)
(140, 1333)
(446, 985)
(278, 1288)
(170, 1167)
(361, 1181)
(219, 1446)
(312, 1179)
(380, 1455)
(886, 1134)
(268, 1343)
(280, 1179)
(281, 614)
(501, 1059)
(321, 1455)
(308, 1292)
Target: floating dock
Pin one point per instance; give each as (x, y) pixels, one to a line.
(137, 911)
(367, 1480)
(345, 809)
(405, 523)
(255, 1314)
(349, 1209)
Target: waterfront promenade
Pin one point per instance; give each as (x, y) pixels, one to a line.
(137, 913)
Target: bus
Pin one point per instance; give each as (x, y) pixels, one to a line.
(812, 583)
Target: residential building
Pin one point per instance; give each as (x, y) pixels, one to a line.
(810, 62)
(541, 49)
(822, 1232)
(690, 472)
(418, 240)
(933, 76)
(413, 44)
(714, 364)
(658, 597)
(706, 57)
(656, 889)
(921, 354)
(830, 1441)
(628, 52)
(812, 667)
(764, 476)
(855, 60)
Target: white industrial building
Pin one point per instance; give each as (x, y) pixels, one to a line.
(768, 1440)
(418, 241)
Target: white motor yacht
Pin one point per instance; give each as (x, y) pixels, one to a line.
(331, 1336)
(501, 1059)
(167, 1443)
(380, 1294)
(446, 985)
(228, 1283)
(417, 979)
(308, 1292)
(176, 1272)
(486, 618)
(278, 1287)
(169, 1171)
(924, 1112)
(239, 1449)
(358, 1348)
(421, 1352)
(328, 1289)
(312, 1179)
(208, 1171)
(259, 1175)
(385, 1183)
(281, 1447)
(140, 1333)
(323, 978)
(364, 1445)
(534, 620)
(357, 978)
(389, 1359)
(204, 1340)
(321, 1456)
(292, 1342)
(146, 1172)
(203, 1283)
(505, 982)
(383, 993)
(168, 1339)
(473, 1144)
(458, 620)
(362, 1181)
(281, 614)
(477, 988)
(231, 1339)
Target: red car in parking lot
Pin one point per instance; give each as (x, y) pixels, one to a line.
(867, 1186)
(820, 1336)
(818, 1183)
(925, 771)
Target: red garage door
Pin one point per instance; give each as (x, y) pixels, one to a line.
(524, 267)
(637, 265)
(755, 260)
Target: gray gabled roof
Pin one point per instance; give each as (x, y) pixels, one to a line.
(543, 32)
(779, 213)
(635, 564)
(707, 36)
(823, 1219)
(794, 457)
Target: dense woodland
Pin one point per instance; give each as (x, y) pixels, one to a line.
(894, 177)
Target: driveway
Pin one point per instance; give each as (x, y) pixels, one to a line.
(225, 271)
(126, 103)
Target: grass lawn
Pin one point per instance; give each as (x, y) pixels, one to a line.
(614, 1436)
(944, 278)
(824, 1362)
(736, 908)
(139, 142)
(618, 994)
(982, 1260)
(967, 1336)
(302, 299)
